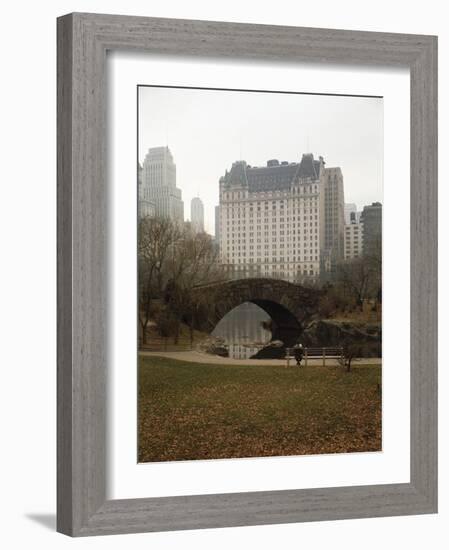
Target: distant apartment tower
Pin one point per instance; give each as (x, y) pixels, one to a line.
(372, 228)
(332, 218)
(270, 217)
(353, 238)
(159, 184)
(349, 209)
(351, 213)
(197, 214)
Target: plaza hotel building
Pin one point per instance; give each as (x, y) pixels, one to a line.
(282, 220)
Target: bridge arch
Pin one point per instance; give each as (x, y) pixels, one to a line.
(289, 305)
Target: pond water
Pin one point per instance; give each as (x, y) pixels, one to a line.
(242, 330)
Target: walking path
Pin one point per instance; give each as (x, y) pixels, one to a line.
(198, 357)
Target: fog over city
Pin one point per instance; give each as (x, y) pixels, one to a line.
(208, 130)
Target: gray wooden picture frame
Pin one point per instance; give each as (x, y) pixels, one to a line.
(83, 40)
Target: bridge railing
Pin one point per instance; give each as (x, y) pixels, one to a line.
(212, 283)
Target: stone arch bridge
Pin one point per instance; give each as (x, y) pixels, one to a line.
(289, 305)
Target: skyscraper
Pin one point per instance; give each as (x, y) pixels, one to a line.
(332, 216)
(197, 214)
(159, 184)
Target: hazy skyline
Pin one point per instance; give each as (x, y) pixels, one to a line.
(208, 130)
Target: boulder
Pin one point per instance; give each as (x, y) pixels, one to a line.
(214, 346)
(273, 350)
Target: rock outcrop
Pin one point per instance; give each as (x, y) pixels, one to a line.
(273, 350)
(331, 332)
(214, 346)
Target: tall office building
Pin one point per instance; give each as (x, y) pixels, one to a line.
(372, 228)
(332, 218)
(271, 217)
(197, 214)
(158, 185)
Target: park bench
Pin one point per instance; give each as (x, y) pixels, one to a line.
(316, 353)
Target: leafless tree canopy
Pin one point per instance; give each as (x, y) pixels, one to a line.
(172, 260)
(361, 278)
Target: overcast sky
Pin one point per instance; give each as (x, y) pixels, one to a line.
(207, 130)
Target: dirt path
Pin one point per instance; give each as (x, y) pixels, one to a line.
(198, 357)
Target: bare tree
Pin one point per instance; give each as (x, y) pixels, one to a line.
(194, 262)
(173, 259)
(351, 351)
(167, 324)
(155, 238)
(356, 277)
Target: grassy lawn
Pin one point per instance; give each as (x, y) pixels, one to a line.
(197, 411)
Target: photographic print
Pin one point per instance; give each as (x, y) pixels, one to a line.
(259, 273)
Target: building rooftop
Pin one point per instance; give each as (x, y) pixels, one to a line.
(274, 176)
(159, 153)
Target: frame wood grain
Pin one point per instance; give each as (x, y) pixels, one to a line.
(83, 40)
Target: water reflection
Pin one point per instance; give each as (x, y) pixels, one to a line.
(242, 330)
(242, 351)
